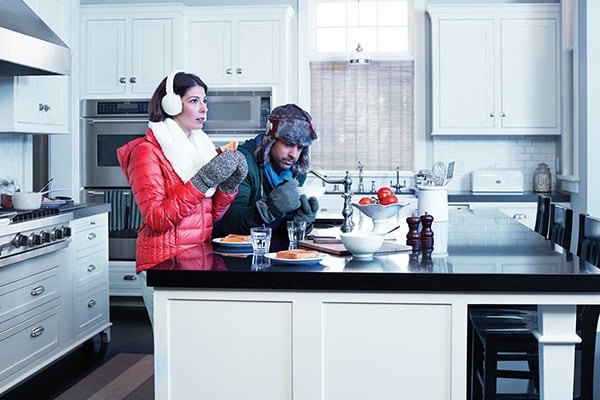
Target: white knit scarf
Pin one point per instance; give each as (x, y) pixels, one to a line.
(186, 154)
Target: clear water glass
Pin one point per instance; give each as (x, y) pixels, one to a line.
(296, 232)
(261, 239)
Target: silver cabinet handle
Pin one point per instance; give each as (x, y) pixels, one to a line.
(91, 236)
(132, 79)
(36, 291)
(238, 71)
(229, 71)
(35, 332)
(503, 114)
(40, 107)
(492, 115)
(520, 216)
(91, 303)
(91, 268)
(122, 80)
(129, 277)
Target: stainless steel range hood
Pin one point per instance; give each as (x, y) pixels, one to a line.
(27, 45)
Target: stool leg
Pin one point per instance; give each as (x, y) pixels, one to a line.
(490, 368)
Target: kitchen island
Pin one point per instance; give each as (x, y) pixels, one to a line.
(231, 326)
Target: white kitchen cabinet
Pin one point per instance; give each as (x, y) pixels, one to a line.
(90, 272)
(123, 280)
(496, 69)
(241, 46)
(128, 50)
(39, 104)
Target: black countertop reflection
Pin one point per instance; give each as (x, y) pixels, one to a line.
(484, 251)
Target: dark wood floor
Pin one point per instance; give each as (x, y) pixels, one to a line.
(131, 333)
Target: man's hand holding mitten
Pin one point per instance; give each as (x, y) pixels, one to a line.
(283, 199)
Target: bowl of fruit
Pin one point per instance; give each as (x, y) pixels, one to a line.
(380, 207)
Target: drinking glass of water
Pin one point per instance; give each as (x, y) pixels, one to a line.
(261, 239)
(296, 232)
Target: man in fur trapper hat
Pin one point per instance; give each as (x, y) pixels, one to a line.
(278, 161)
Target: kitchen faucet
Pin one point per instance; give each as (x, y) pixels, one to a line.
(398, 186)
(361, 186)
(347, 225)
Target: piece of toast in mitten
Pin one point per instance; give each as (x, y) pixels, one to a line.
(231, 146)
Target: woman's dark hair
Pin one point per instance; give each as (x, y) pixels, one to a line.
(181, 83)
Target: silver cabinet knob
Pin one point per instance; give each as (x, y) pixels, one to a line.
(229, 71)
(238, 71)
(132, 79)
(122, 80)
(492, 115)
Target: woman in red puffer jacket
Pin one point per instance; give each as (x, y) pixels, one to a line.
(180, 183)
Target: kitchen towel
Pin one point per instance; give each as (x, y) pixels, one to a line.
(135, 218)
(118, 203)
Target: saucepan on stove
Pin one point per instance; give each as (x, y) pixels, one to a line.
(29, 200)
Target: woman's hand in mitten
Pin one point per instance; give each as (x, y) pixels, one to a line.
(230, 184)
(308, 210)
(215, 171)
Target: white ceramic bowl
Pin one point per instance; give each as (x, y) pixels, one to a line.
(379, 212)
(362, 244)
(27, 200)
(312, 191)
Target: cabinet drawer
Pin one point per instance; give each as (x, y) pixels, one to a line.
(25, 294)
(89, 266)
(91, 308)
(28, 342)
(124, 281)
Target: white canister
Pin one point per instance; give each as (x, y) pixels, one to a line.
(433, 200)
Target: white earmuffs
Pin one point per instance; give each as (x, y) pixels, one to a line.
(171, 102)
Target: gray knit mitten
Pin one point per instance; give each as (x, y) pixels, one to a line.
(215, 171)
(283, 199)
(308, 210)
(230, 184)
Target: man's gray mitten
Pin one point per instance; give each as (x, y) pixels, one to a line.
(308, 210)
(215, 171)
(283, 199)
(231, 183)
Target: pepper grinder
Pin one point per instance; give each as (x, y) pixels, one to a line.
(426, 232)
(413, 238)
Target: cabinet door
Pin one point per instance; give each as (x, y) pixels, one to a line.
(104, 49)
(259, 52)
(151, 52)
(464, 92)
(530, 89)
(211, 57)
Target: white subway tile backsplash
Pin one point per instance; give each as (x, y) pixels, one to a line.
(473, 153)
(15, 158)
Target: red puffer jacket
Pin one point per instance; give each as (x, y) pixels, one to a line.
(176, 215)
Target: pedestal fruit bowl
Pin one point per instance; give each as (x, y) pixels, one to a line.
(380, 214)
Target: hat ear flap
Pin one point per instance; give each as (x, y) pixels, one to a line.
(303, 164)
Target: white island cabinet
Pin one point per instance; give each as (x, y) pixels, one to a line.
(304, 345)
(495, 69)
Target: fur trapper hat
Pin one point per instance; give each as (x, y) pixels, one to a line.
(294, 125)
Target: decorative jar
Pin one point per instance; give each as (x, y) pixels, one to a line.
(542, 179)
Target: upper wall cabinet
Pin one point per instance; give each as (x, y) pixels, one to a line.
(241, 46)
(39, 104)
(128, 50)
(495, 69)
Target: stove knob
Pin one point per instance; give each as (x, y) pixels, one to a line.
(58, 233)
(19, 240)
(66, 231)
(35, 240)
(45, 237)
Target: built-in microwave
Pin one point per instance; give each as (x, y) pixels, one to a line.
(237, 110)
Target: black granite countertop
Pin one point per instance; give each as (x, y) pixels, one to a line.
(479, 250)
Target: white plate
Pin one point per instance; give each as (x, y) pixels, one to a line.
(273, 257)
(231, 244)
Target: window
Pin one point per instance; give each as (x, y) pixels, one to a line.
(362, 113)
